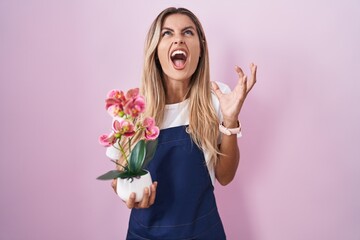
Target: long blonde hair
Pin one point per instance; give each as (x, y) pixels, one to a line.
(203, 122)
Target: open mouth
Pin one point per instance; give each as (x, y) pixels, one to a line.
(178, 57)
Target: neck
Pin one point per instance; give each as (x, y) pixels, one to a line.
(176, 91)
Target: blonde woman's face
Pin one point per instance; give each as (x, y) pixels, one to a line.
(179, 47)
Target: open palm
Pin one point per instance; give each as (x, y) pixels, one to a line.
(231, 103)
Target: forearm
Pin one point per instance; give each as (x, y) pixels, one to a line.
(228, 161)
(230, 105)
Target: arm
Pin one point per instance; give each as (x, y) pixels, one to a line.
(230, 105)
(229, 158)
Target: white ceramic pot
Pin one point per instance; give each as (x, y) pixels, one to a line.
(137, 185)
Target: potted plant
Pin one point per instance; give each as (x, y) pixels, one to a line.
(133, 138)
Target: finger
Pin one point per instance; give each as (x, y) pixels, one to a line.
(153, 193)
(239, 71)
(253, 69)
(216, 89)
(113, 184)
(144, 203)
(245, 80)
(244, 89)
(252, 81)
(130, 203)
(242, 79)
(241, 85)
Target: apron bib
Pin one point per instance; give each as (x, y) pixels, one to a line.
(185, 206)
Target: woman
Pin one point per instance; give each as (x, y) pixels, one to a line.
(198, 138)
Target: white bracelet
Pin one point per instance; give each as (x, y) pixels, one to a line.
(229, 131)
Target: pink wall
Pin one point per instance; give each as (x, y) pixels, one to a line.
(300, 170)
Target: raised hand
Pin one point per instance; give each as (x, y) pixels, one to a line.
(231, 103)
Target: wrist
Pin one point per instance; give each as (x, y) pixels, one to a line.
(230, 130)
(230, 122)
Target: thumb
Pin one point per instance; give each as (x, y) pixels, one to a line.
(113, 184)
(216, 89)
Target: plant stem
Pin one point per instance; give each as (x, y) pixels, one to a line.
(117, 163)
(122, 150)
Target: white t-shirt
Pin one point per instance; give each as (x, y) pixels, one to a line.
(178, 115)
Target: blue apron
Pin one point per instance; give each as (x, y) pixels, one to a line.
(185, 206)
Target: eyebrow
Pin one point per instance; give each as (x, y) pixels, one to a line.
(184, 29)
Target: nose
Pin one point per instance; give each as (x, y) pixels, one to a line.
(178, 42)
(178, 39)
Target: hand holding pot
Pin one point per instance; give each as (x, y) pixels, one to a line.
(147, 200)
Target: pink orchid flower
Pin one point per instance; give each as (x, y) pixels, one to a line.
(107, 140)
(151, 133)
(135, 106)
(114, 110)
(115, 102)
(123, 127)
(132, 93)
(117, 94)
(148, 122)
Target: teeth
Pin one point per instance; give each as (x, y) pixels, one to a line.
(178, 52)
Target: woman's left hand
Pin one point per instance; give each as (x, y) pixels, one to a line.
(231, 103)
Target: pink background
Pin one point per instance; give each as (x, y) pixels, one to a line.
(300, 170)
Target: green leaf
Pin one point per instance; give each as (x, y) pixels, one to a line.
(137, 157)
(150, 151)
(131, 174)
(126, 175)
(110, 175)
